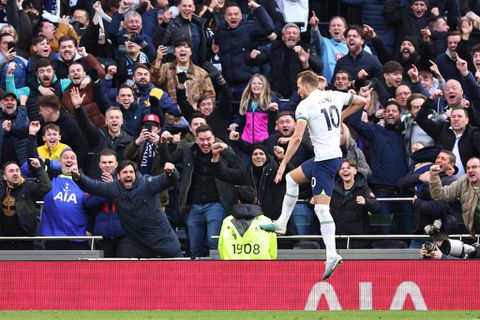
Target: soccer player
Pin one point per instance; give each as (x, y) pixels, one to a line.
(320, 111)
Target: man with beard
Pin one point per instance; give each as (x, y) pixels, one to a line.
(411, 51)
(91, 97)
(359, 63)
(45, 84)
(284, 128)
(387, 151)
(287, 58)
(68, 53)
(331, 49)
(146, 94)
(135, 197)
(18, 196)
(13, 142)
(205, 197)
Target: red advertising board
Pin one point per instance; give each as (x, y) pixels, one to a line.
(239, 285)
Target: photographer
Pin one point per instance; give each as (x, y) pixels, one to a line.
(443, 248)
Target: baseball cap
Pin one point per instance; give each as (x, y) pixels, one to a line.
(6, 94)
(152, 118)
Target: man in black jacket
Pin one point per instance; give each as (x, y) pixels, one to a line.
(18, 196)
(204, 196)
(135, 197)
(287, 58)
(457, 135)
(110, 137)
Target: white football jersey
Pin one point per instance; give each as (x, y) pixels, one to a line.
(322, 110)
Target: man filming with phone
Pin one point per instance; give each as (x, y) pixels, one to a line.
(144, 149)
(10, 60)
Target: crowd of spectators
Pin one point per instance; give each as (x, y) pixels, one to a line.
(142, 93)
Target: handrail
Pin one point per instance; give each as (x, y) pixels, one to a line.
(371, 236)
(93, 238)
(307, 202)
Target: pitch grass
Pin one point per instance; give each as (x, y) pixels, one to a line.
(239, 315)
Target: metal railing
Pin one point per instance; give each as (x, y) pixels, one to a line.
(371, 237)
(57, 238)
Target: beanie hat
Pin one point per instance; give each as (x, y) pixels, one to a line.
(261, 147)
(413, 40)
(424, 1)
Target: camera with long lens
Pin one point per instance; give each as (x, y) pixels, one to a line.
(457, 248)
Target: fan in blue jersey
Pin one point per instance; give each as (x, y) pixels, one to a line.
(64, 210)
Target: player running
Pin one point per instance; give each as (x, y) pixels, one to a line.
(322, 112)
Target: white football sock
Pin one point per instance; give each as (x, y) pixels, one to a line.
(327, 227)
(289, 201)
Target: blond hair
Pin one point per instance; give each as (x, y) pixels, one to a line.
(265, 96)
(346, 135)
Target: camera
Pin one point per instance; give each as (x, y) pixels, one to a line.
(429, 246)
(434, 227)
(169, 49)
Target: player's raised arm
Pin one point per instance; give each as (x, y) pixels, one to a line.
(358, 102)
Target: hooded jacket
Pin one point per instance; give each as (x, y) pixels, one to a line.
(241, 237)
